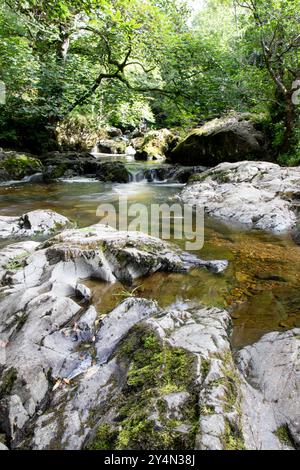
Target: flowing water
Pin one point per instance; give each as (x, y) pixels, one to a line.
(260, 288)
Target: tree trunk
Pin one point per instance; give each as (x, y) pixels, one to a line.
(290, 115)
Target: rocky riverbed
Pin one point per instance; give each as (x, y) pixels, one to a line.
(168, 377)
(155, 366)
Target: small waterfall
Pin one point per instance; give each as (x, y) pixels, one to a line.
(153, 175)
(94, 150)
(150, 175)
(137, 175)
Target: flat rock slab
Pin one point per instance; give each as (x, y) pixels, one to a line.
(271, 406)
(39, 222)
(258, 195)
(13, 256)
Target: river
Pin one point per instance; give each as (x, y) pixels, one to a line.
(260, 288)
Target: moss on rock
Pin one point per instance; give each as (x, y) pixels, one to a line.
(17, 166)
(231, 138)
(155, 145)
(153, 370)
(7, 381)
(284, 436)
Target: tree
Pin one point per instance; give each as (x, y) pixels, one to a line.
(77, 47)
(274, 26)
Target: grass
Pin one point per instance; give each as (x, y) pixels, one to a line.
(125, 294)
(16, 262)
(284, 436)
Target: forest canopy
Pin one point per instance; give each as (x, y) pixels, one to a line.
(122, 61)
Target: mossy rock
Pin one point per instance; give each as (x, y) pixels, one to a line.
(228, 139)
(7, 381)
(284, 436)
(115, 172)
(111, 146)
(17, 166)
(141, 420)
(156, 145)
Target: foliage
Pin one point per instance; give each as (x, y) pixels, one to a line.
(121, 62)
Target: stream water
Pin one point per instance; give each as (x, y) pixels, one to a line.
(260, 288)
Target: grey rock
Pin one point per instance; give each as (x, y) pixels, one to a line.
(35, 178)
(175, 403)
(68, 164)
(192, 261)
(111, 146)
(115, 172)
(227, 139)
(38, 222)
(172, 173)
(12, 256)
(118, 323)
(271, 368)
(257, 195)
(82, 292)
(97, 388)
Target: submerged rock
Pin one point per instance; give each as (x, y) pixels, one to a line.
(258, 195)
(39, 222)
(227, 139)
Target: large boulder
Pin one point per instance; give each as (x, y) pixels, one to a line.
(228, 139)
(270, 409)
(115, 172)
(110, 146)
(257, 195)
(114, 132)
(16, 166)
(145, 395)
(145, 378)
(141, 377)
(38, 222)
(50, 336)
(155, 145)
(66, 164)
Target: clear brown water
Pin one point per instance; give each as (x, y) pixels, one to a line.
(260, 287)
